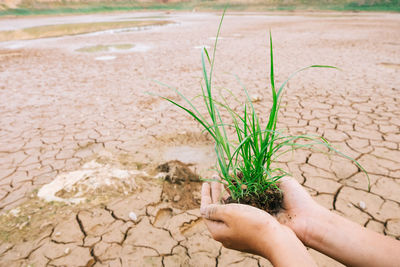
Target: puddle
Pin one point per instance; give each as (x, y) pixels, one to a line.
(128, 29)
(390, 65)
(78, 28)
(15, 45)
(118, 48)
(92, 177)
(105, 58)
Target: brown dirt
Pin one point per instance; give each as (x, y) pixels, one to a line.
(181, 187)
(61, 108)
(271, 201)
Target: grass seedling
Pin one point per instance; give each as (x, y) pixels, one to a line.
(245, 163)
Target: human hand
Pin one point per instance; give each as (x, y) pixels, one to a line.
(299, 210)
(248, 229)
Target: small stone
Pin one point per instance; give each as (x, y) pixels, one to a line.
(362, 205)
(57, 234)
(67, 251)
(15, 212)
(349, 205)
(177, 198)
(22, 225)
(255, 98)
(132, 216)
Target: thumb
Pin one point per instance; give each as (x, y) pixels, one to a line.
(214, 212)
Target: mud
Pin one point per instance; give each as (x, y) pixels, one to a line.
(61, 109)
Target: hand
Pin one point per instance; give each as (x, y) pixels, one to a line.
(299, 209)
(331, 234)
(249, 229)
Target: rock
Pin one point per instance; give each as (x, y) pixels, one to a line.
(362, 205)
(132, 216)
(177, 198)
(67, 251)
(255, 98)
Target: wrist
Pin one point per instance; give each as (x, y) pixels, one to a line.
(315, 226)
(272, 240)
(288, 250)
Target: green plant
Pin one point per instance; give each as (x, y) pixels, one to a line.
(245, 163)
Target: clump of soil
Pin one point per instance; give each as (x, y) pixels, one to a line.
(181, 187)
(271, 201)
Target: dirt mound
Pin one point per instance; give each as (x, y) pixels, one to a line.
(181, 187)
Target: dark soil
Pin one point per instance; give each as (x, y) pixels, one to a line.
(271, 201)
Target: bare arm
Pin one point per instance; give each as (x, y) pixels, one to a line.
(333, 235)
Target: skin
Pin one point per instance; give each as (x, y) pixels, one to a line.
(333, 235)
(252, 230)
(301, 221)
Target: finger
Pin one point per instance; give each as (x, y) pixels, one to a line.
(225, 194)
(288, 183)
(214, 212)
(216, 227)
(216, 190)
(205, 197)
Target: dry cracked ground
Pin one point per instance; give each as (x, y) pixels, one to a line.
(95, 172)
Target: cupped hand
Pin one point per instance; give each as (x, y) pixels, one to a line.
(299, 210)
(248, 229)
(236, 226)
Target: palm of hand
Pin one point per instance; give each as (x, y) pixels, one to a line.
(298, 208)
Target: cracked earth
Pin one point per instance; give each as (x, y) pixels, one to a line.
(95, 172)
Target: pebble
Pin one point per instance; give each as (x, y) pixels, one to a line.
(57, 234)
(132, 216)
(362, 205)
(67, 251)
(255, 98)
(15, 212)
(177, 198)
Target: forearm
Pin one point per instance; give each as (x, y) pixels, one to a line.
(349, 243)
(289, 252)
